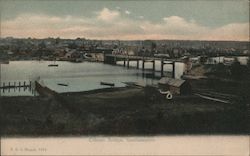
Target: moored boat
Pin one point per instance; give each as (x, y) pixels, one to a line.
(62, 84)
(53, 65)
(107, 84)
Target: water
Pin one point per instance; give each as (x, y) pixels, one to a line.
(79, 76)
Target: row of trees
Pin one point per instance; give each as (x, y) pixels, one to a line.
(236, 71)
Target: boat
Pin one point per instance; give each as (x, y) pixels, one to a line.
(107, 84)
(53, 65)
(62, 84)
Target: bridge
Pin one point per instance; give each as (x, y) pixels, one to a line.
(112, 59)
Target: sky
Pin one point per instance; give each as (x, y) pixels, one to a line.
(126, 19)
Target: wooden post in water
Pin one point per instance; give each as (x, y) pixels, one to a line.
(3, 86)
(14, 86)
(9, 87)
(19, 86)
(162, 64)
(24, 88)
(30, 86)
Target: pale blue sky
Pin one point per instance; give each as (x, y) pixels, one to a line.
(211, 14)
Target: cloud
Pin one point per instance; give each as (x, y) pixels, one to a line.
(108, 15)
(141, 17)
(127, 12)
(109, 24)
(175, 25)
(230, 32)
(41, 26)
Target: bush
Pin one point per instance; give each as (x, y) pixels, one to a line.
(220, 70)
(238, 71)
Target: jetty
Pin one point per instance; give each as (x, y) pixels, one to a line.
(19, 84)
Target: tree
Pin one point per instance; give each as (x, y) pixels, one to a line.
(153, 45)
(58, 40)
(220, 70)
(238, 71)
(248, 62)
(42, 45)
(72, 46)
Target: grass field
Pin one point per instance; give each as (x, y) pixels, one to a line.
(121, 111)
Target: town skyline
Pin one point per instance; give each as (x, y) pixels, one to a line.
(130, 40)
(109, 20)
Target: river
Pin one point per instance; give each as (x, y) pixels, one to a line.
(78, 76)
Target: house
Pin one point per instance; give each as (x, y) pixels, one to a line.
(102, 50)
(60, 53)
(72, 54)
(175, 86)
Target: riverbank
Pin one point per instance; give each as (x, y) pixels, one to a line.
(118, 111)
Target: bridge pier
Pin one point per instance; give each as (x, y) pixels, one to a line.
(153, 65)
(124, 62)
(173, 70)
(128, 63)
(162, 67)
(143, 64)
(137, 64)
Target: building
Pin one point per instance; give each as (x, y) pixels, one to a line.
(175, 86)
(72, 54)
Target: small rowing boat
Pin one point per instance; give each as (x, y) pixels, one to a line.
(107, 84)
(53, 65)
(62, 84)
